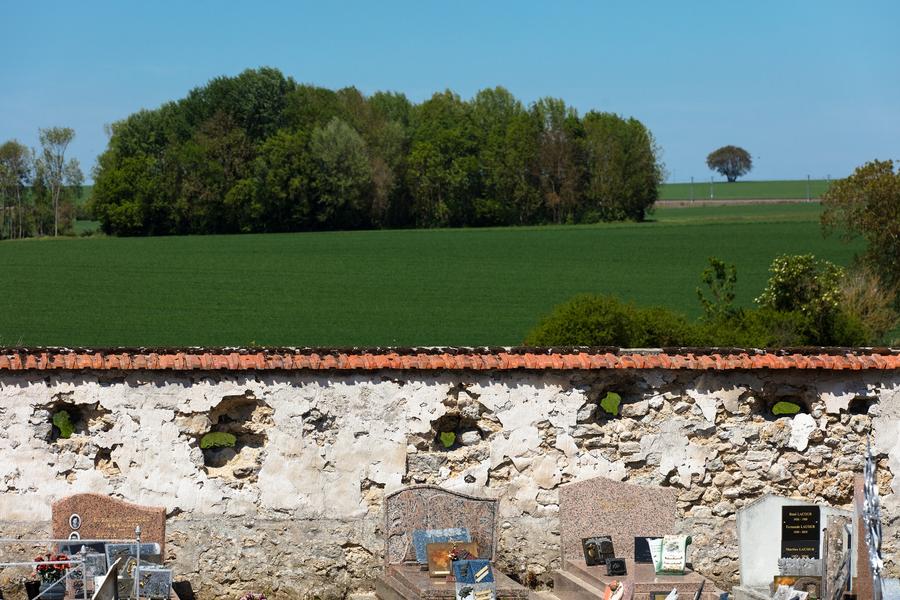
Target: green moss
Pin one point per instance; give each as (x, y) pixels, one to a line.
(217, 439)
(448, 438)
(785, 408)
(63, 423)
(610, 403)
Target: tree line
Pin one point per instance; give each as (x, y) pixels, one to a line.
(38, 188)
(261, 153)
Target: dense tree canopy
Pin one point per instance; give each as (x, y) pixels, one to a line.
(730, 161)
(259, 152)
(867, 204)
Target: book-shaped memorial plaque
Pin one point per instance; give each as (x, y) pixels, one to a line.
(439, 555)
(597, 550)
(474, 580)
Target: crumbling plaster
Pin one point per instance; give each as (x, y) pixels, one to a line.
(308, 522)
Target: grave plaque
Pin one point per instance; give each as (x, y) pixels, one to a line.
(154, 582)
(800, 531)
(99, 517)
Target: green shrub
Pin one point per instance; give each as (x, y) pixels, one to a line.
(63, 423)
(218, 439)
(591, 320)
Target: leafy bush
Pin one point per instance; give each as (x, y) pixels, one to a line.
(802, 282)
(218, 439)
(592, 320)
(865, 297)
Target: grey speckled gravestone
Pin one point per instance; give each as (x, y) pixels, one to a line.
(601, 506)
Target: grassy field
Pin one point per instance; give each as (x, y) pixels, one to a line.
(794, 189)
(411, 287)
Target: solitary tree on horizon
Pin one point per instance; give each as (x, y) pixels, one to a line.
(730, 161)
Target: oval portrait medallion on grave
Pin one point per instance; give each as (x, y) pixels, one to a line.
(74, 521)
(74, 536)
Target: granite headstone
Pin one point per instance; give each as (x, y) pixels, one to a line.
(623, 511)
(99, 517)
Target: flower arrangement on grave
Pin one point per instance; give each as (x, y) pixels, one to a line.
(50, 573)
(253, 596)
(457, 553)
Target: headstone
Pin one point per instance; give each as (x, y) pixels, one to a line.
(761, 527)
(629, 514)
(622, 511)
(99, 517)
(431, 507)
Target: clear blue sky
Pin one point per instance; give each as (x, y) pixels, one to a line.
(807, 87)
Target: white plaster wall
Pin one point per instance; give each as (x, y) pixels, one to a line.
(309, 524)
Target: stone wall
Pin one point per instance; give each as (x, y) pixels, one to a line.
(294, 509)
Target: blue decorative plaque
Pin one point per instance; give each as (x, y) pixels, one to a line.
(476, 570)
(422, 537)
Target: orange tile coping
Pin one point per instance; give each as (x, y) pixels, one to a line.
(429, 359)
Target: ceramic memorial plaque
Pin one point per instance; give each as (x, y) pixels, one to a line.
(154, 582)
(422, 537)
(597, 550)
(673, 554)
(439, 555)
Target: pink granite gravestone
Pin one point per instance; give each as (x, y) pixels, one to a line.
(601, 506)
(605, 507)
(99, 517)
(432, 507)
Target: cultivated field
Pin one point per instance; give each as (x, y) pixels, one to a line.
(794, 189)
(409, 287)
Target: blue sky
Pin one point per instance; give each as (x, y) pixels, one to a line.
(807, 87)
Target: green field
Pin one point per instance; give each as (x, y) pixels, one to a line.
(794, 189)
(409, 287)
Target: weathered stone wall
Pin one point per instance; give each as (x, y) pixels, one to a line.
(295, 508)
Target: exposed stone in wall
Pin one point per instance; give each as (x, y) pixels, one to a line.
(295, 507)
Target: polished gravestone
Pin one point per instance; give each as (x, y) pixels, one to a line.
(428, 507)
(780, 536)
(99, 517)
(625, 512)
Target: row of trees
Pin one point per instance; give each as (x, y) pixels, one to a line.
(38, 188)
(260, 153)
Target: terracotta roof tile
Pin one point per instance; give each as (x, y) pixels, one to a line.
(478, 359)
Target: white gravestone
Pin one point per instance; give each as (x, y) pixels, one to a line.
(760, 528)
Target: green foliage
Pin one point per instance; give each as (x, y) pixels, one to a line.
(804, 283)
(218, 439)
(867, 204)
(730, 161)
(785, 408)
(260, 153)
(610, 403)
(447, 438)
(63, 423)
(719, 278)
(866, 298)
(590, 320)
